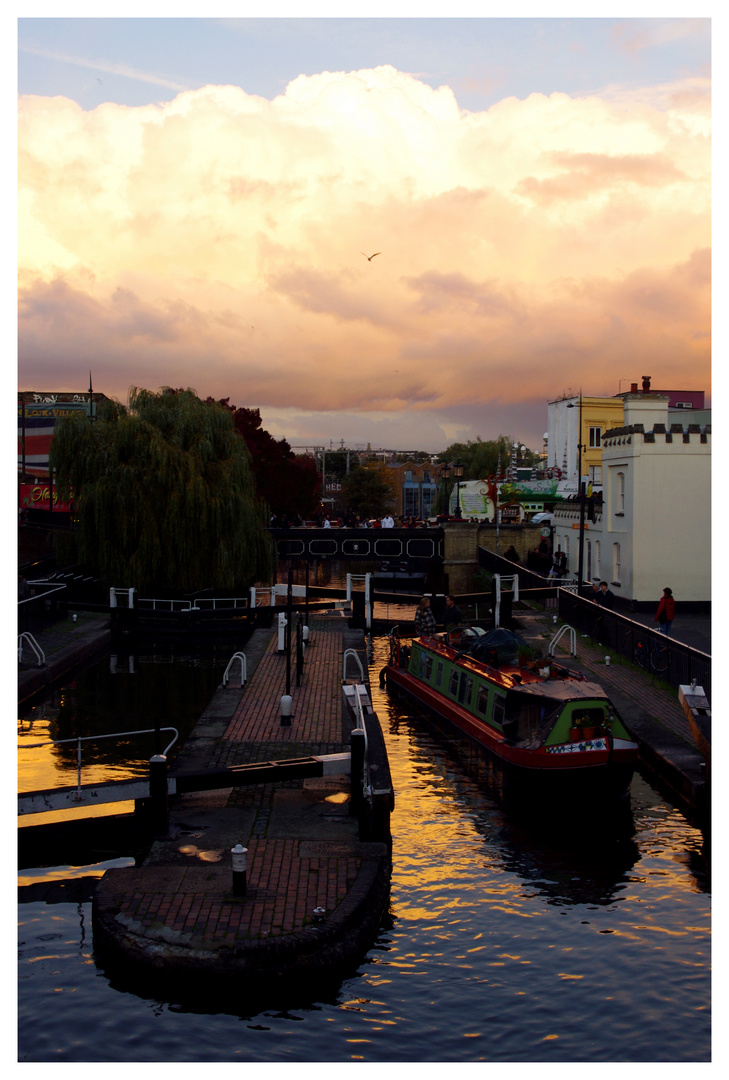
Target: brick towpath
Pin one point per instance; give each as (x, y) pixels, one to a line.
(315, 892)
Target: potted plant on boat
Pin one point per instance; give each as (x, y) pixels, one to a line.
(525, 654)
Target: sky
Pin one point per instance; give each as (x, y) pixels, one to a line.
(198, 198)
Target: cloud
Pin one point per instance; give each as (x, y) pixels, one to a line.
(215, 241)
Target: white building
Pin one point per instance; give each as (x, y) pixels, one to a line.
(654, 527)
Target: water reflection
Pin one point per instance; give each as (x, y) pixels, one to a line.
(129, 691)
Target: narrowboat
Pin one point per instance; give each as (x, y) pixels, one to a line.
(553, 733)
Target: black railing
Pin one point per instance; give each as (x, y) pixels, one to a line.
(660, 656)
(47, 604)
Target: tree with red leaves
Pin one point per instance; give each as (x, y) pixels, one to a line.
(288, 482)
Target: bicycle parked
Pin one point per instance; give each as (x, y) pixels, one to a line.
(651, 654)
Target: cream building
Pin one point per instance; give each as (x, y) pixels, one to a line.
(654, 528)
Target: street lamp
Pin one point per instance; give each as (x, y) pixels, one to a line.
(445, 475)
(581, 550)
(458, 474)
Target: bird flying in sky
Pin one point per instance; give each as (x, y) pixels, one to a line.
(369, 258)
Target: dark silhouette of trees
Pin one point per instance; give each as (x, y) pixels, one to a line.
(164, 494)
(289, 483)
(370, 491)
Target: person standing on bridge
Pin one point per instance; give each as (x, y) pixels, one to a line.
(388, 522)
(666, 611)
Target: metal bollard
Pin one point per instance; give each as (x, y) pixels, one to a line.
(158, 794)
(239, 856)
(357, 773)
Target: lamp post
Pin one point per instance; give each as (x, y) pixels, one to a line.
(581, 549)
(445, 475)
(458, 474)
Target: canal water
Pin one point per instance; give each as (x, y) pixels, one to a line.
(507, 939)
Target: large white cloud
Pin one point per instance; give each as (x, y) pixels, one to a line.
(216, 241)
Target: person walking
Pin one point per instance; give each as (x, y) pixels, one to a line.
(666, 611)
(424, 619)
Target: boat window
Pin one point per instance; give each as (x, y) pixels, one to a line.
(529, 718)
(439, 673)
(482, 702)
(453, 682)
(426, 665)
(497, 716)
(465, 690)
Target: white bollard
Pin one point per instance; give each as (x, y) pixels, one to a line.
(286, 706)
(239, 859)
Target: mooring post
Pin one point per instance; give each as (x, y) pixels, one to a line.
(239, 859)
(357, 773)
(158, 794)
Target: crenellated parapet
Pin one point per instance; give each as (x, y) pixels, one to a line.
(659, 433)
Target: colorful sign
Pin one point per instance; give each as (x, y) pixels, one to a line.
(36, 424)
(37, 497)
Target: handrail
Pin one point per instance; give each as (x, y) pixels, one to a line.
(89, 738)
(347, 653)
(41, 656)
(243, 669)
(362, 726)
(557, 637)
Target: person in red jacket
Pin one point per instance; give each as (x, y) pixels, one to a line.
(666, 611)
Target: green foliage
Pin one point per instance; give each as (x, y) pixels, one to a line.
(480, 458)
(164, 495)
(370, 491)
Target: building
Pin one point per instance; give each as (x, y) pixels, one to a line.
(577, 423)
(38, 414)
(653, 526)
(417, 487)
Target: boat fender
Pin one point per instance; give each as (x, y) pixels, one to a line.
(383, 678)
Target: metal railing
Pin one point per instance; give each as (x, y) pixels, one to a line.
(92, 738)
(241, 657)
(39, 654)
(662, 657)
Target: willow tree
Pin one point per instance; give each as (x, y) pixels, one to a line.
(164, 494)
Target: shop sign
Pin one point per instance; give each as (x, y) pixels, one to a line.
(37, 497)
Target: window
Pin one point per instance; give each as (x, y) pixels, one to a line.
(595, 437)
(408, 476)
(426, 477)
(426, 666)
(596, 474)
(482, 702)
(598, 571)
(453, 682)
(620, 493)
(616, 564)
(410, 501)
(439, 673)
(498, 714)
(428, 499)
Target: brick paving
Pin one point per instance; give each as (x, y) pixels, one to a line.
(303, 852)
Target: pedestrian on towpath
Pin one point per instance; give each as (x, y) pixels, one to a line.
(424, 619)
(666, 611)
(606, 598)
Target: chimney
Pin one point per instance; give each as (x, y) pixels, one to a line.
(634, 388)
(646, 383)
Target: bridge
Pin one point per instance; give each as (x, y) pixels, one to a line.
(336, 543)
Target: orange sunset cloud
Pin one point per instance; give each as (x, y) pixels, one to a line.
(216, 241)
